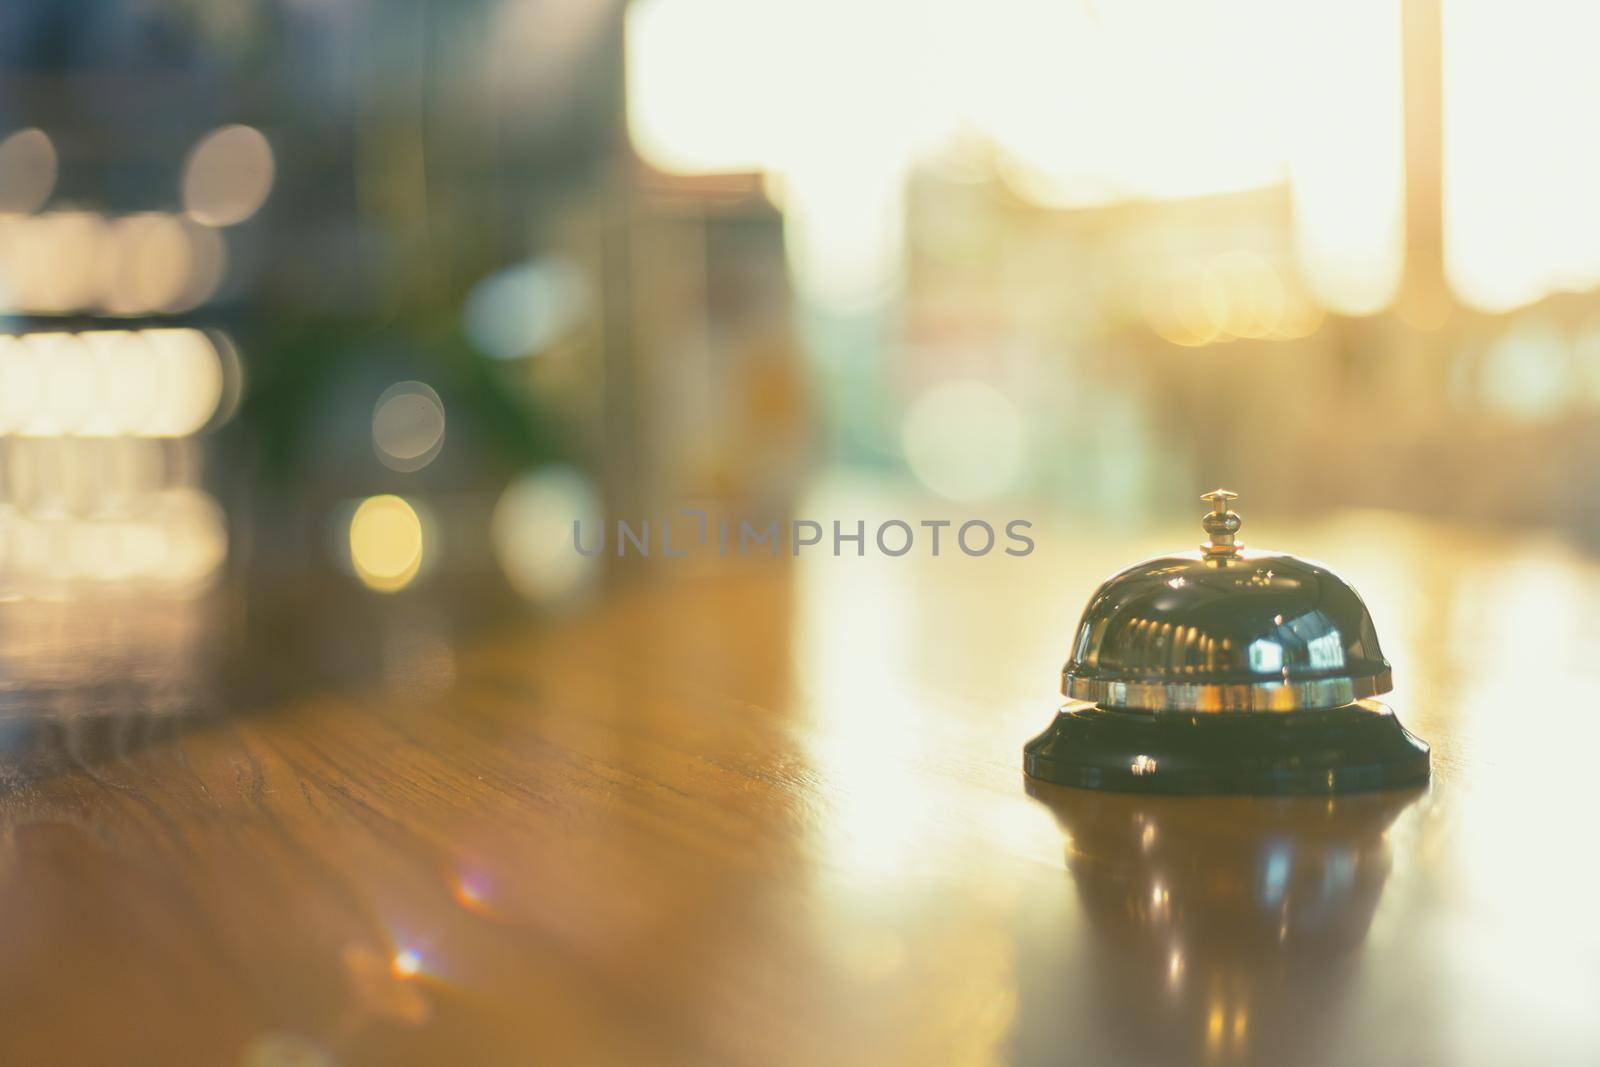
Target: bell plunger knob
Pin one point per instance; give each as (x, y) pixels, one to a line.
(1221, 525)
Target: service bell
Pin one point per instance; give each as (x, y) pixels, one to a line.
(1227, 670)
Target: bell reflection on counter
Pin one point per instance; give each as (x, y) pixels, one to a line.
(1226, 671)
(1240, 917)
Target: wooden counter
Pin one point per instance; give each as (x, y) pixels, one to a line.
(777, 815)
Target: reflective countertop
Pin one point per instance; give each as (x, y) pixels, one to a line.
(775, 813)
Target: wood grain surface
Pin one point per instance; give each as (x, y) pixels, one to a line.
(775, 814)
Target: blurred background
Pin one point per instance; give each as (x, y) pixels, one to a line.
(323, 320)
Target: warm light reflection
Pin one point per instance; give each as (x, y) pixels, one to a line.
(280, 1049)
(855, 646)
(1216, 1020)
(386, 543)
(228, 176)
(469, 892)
(380, 984)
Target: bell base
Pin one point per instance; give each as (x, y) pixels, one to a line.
(1355, 748)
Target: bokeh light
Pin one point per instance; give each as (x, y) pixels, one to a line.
(194, 537)
(19, 384)
(67, 396)
(964, 440)
(50, 264)
(129, 382)
(63, 262)
(231, 365)
(532, 532)
(192, 382)
(522, 310)
(1237, 294)
(228, 176)
(146, 262)
(166, 382)
(408, 426)
(386, 543)
(208, 263)
(1178, 111)
(27, 171)
(1342, 124)
(1530, 373)
(1520, 166)
(66, 527)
